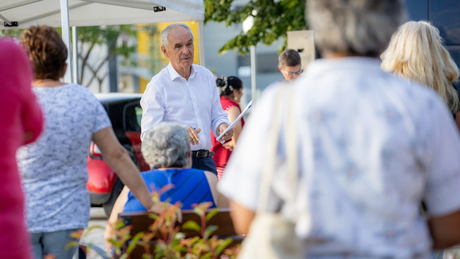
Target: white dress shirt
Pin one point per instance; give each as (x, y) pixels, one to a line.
(194, 102)
(376, 146)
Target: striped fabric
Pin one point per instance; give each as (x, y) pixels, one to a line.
(220, 171)
(190, 187)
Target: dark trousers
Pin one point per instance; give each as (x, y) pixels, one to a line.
(206, 164)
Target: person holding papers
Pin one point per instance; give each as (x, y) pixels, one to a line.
(231, 91)
(185, 93)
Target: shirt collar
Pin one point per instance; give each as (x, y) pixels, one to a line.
(173, 73)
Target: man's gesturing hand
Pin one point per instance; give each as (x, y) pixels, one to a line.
(222, 127)
(193, 135)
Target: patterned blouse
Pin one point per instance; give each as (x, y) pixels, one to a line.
(375, 147)
(53, 169)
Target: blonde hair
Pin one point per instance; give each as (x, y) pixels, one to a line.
(416, 53)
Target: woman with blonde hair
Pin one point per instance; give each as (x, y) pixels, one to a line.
(416, 52)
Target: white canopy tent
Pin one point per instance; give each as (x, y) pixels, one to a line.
(66, 13)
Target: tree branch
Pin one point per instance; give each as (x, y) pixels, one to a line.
(95, 71)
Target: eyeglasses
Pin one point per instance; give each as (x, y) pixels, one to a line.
(293, 73)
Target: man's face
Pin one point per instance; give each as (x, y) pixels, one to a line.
(180, 49)
(291, 73)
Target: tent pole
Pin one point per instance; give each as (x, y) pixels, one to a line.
(201, 37)
(66, 38)
(75, 54)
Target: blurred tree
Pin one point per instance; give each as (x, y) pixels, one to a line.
(152, 61)
(115, 37)
(272, 19)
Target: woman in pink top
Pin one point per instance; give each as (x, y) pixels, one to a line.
(22, 121)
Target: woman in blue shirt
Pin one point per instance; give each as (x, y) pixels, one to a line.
(166, 149)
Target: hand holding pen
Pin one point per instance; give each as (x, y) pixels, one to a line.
(193, 134)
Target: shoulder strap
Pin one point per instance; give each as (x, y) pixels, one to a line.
(284, 97)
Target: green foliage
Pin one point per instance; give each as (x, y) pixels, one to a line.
(272, 20)
(163, 235)
(153, 59)
(92, 36)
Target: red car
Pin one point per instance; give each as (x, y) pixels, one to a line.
(125, 113)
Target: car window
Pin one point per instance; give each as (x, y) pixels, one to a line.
(132, 118)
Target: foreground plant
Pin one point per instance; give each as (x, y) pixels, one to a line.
(164, 240)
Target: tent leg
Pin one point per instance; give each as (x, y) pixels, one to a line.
(75, 54)
(66, 38)
(201, 47)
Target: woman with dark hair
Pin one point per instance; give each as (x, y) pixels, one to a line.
(54, 169)
(22, 121)
(231, 91)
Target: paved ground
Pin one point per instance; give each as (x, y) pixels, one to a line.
(96, 236)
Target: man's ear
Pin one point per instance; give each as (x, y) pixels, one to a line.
(163, 49)
(281, 69)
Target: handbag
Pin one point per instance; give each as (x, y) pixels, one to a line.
(271, 235)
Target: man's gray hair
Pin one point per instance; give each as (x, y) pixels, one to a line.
(165, 33)
(354, 27)
(166, 145)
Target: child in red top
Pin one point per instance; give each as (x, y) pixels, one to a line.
(231, 90)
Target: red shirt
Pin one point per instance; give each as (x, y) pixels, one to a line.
(222, 154)
(21, 122)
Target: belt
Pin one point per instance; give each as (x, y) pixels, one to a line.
(202, 153)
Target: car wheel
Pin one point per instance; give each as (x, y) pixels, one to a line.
(117, 188)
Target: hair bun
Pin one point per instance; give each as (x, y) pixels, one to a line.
(221, 82)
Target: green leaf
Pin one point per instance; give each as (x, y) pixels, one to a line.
(153, 216)
(114, 242)
(211, 214)
(208, 232)
(71, 244)
(224, 245)
(191, 225)
(198, 211)
(179, 235)
(134, 241)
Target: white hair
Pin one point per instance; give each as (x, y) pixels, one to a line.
(354, 27)
(416, 53)
(166, 145)
(165, 33)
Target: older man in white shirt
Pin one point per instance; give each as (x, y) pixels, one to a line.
(185, 93)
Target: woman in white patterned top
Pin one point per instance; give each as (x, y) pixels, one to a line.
(370, 147)
(53, 169)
